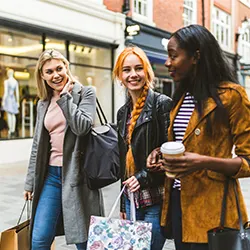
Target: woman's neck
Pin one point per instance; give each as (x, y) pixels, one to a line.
(135, 95)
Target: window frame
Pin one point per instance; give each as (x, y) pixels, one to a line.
(148, 18)
(193, 20)
(222, 30)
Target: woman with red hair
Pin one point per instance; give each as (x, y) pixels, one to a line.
(142, 126)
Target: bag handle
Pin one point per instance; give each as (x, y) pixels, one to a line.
(224, 204)
(132, 205)
(102, 118)
(28, 203)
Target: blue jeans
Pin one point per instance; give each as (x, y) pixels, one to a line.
(49, 211)
(150, 214)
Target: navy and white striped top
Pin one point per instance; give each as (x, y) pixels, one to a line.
(181, 122)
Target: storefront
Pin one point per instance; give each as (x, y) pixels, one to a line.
(90, 50)
(154, 42)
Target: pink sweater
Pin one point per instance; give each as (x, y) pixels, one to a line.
(55, 123)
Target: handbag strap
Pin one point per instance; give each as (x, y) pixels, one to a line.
(102, 118)
(28, 203)
(224, 204)
(132, 205)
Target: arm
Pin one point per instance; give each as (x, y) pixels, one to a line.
(80, 118)
(161, 121)
(238, 109)
(29, 182)
(5, 92)
(17, 94)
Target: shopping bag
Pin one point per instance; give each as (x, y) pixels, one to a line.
(111, 233)
(17, 237)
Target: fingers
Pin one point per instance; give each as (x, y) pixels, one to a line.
(123, 216)
(152, 160)
(132, 184)
(27, 195)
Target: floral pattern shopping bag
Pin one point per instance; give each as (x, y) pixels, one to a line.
(110, 233)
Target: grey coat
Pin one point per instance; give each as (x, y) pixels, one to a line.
(78, 201)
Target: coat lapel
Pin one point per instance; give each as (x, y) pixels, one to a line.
(194, 121)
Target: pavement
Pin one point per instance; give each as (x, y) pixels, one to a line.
(12, 178)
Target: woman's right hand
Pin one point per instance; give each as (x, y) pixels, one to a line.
(123, 215)
(153, 163)
(27, 195)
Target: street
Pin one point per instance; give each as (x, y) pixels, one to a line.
(11, 199)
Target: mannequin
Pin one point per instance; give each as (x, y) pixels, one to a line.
(11, 101)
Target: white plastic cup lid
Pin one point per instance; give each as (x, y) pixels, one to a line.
(172, 148)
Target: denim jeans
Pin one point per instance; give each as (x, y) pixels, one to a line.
(49, 211)
(150, 214)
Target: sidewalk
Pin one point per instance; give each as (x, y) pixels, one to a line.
(12, 178)
(11, 199)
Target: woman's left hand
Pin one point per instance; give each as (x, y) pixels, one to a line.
(189, 162)
(132, 184)
(68, 87)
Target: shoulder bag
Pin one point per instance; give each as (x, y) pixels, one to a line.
(221, 238)
(101, 157)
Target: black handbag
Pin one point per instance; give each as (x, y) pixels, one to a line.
(223, 238)
(101, 157)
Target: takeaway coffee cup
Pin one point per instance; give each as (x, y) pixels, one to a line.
(172, 149)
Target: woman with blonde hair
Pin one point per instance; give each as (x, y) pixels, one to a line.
(142, 125)
(62, 201)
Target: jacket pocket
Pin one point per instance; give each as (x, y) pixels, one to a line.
(216, 176)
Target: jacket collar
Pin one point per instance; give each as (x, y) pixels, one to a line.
(195, 119)
(145, 115)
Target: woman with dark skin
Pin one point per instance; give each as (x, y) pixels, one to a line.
(210, 115)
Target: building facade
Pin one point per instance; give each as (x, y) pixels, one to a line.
(91, 34)
(85, 32)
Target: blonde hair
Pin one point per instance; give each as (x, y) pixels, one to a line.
(149, 73)
(44, 90)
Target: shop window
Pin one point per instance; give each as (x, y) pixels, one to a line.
(189, 12)
(18, 97)
(88, 55)
(100, 80)
(19, 44)
(143, 11)
(59, 45)
(221, 28)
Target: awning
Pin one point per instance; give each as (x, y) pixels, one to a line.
(156, 57)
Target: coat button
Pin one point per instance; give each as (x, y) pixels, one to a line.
(197, 131)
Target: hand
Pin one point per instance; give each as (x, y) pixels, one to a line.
(123, 215)
(132, 184)
(153, 163)
(183, 165)
(27, 195)
(68, 87)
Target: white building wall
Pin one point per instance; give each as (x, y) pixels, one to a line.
(87, 18)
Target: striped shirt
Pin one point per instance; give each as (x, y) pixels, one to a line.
(181, 122)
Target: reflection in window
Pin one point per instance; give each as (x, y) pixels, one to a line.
(87, 55)
(19, 44)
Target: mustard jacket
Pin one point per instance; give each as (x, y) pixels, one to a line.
(202, 191)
